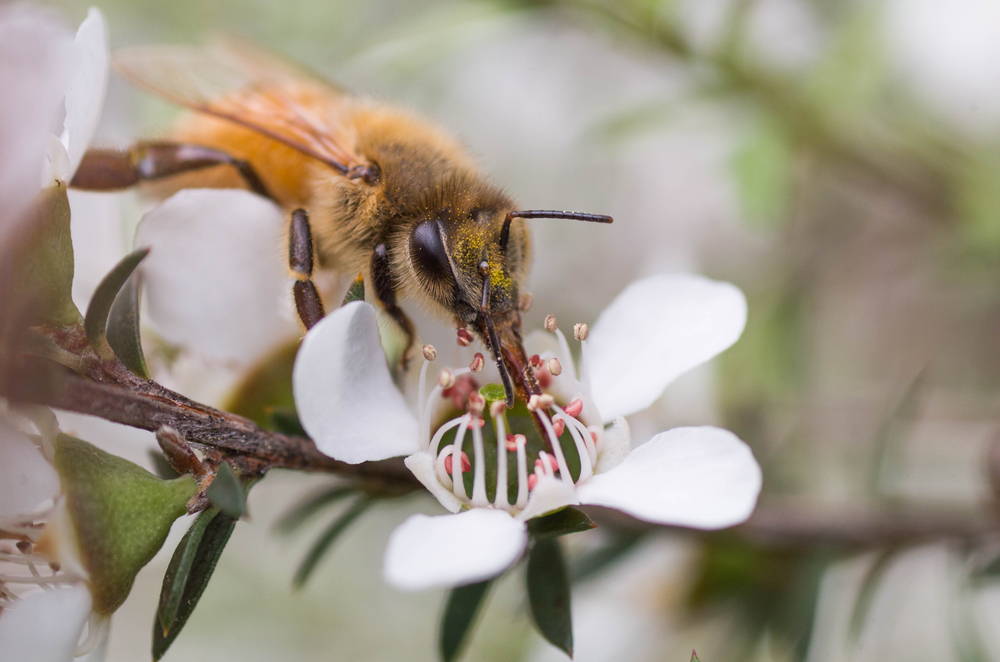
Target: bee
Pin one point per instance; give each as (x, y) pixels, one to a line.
(369, 189)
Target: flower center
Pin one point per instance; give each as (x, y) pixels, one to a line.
(490, 456)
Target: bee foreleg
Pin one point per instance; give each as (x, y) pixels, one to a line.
(300, 261)
(385, 291)
(111, 169)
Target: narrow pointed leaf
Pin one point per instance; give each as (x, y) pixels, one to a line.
(327, 538)
(99, 309)
(123, 328)
(298, 514)
(560, 523)
(549, 594)
(226, 492)
(190, 577)
(460, 614)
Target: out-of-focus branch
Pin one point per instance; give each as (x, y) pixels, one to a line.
(870, 150)
(788, 525)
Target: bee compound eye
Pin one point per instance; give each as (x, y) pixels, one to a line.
(427, 250)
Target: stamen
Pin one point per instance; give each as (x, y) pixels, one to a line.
(515, 441)
(479, 478)
(556, 448)
(432, 447)
(545, 400)
(535, 361)
(550, 323)
(532, 482)
(522, 471)
(559, 425)
(497, 408)
(446, 379)
(583, 449)
(458, 486)
(500, 429)
(554, 366)
(450, 468)
(534, 402)
(463, 336)
(580, 331)
(476, 402)
(478, 361)
(430, 352)
(574, 408)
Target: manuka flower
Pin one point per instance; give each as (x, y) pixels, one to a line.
(495, 469)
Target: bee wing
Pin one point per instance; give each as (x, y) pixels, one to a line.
(240, 83)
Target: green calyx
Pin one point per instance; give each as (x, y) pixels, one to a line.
(120, 514)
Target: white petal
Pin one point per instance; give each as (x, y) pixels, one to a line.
(702, 477)
(343, 392)
(215, 279)
(549, 494)
(44, 626)
(615, 445)
(421, 465)
(27, 480)
(34, 58)
(656, 329)
(87, 86)
(451, 550)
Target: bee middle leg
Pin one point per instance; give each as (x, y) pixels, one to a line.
(386, 293)
(308, 303)
(112, 169)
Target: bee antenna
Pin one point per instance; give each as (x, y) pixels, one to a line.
(548, 213)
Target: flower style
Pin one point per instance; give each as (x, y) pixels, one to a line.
(655, 330)
(76, 525)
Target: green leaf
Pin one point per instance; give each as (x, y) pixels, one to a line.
(95, 322)
(460, 613)
(120, 514)
(327, 538)
(123, 328)
(549, 594)
(298, 514)
(226, 492)
(44, 267)
(560, 523)
(493, 393)
(190, 569)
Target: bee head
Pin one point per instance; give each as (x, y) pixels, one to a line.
(472, 262)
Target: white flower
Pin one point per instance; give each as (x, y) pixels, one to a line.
(42, 68)
(655, 330)
(45, 602)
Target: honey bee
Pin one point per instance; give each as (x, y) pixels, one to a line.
(369, 189)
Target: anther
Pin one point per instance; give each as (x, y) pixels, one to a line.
(514, 441)
(54, 566)
(525, 300)
(580, 331)
(535, 361)
(550, 323)
(477, 423)
(534, 402)
(546, 400)
(546, 460)
(464, 337)
(559, 426)
(554, 366)
(430, 352)
(446, 379)
(478, 361)
(532, 482)
(23, 546)
(476, 402)
(497, 408)
(466, 465)
(574, 408)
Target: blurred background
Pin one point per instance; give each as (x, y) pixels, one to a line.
(837, 161)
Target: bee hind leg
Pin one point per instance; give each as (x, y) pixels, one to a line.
(386, 293)
(300, 260)
(112, 169)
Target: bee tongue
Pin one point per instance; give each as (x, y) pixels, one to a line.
(511, 359)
